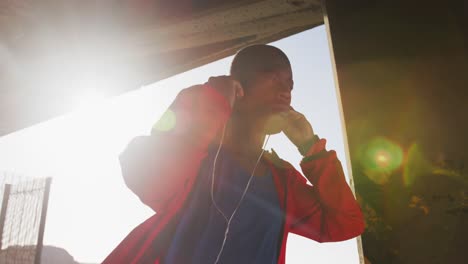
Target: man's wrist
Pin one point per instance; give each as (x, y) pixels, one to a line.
(305, 147)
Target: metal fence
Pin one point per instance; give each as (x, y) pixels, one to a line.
(22, 218)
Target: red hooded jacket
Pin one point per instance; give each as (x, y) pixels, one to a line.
(161, 170)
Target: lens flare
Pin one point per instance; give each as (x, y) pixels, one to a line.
(382, 158)
(416, 165)
(379, 158)
(167, 121)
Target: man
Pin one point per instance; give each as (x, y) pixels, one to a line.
(218, 197)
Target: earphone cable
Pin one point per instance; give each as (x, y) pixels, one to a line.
(228, 221)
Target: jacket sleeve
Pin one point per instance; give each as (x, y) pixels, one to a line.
(156, 167)
(326, 211)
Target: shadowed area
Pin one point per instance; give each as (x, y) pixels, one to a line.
(401, 69)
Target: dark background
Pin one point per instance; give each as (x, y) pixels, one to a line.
(402, 70)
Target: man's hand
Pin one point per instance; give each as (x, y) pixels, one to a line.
(227, 86)
(297, 128)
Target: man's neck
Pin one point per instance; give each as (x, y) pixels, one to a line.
(244, 137)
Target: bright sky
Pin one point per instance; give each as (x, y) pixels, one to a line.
(91, 210)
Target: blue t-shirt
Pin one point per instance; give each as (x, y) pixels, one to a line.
(255, 231)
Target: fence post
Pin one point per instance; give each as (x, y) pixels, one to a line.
(40, 237)
(6, 197)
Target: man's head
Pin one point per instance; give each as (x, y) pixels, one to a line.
(257, 59)
(265, 74)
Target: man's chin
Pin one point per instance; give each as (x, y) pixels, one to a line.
(280, 108)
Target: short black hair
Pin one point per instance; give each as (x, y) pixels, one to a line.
(254, 59)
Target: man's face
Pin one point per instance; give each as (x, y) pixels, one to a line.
(268, 94)
(266, 98)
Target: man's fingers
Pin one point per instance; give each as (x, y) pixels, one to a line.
(228, 86)
(239, 91)
(294, 115)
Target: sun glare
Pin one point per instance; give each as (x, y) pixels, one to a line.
(89, 201)
(89, 98)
